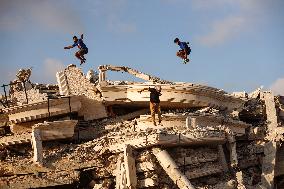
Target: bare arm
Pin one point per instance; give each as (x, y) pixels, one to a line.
(68, 47)
(145, 89)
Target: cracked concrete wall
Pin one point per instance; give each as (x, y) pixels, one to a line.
(77, 83)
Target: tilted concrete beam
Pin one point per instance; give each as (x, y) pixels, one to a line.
(172, 169)
(130, 169)
(268, 164)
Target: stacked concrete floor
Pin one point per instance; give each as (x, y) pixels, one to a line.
(89, 132)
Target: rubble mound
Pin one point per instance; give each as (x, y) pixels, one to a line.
(89, 132)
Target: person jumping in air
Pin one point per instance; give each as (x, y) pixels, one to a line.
(82, 48)
(185, 50)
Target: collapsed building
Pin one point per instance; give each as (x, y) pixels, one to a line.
(90, 132)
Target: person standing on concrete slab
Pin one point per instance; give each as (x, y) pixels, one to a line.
(155, 108)
(185, 50)
(82, 48)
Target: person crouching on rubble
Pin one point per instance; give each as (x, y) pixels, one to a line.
(82, 48)
(155, 94)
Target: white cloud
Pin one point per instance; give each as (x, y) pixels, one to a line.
(223, 30)
(47, 14)
(50, 67)
(278, 87)
(47, 72)
(245, 15)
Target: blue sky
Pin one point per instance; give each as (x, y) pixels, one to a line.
(237, 45)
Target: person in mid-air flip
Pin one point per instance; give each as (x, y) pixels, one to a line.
(82, 48)
(185, 50)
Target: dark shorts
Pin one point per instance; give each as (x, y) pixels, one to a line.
(188, 51)
(83, 51)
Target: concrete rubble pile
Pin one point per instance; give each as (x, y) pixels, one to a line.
(23, 91)
(89, 132)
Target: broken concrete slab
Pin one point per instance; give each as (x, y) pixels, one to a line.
(179, 96)
(47, 130)
(41, 110)
(167, 140)
(180, 121)
(56, 129)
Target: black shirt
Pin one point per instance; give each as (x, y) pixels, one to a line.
(154, 95)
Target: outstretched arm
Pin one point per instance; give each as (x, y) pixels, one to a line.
(145, 89)
(68, 47)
